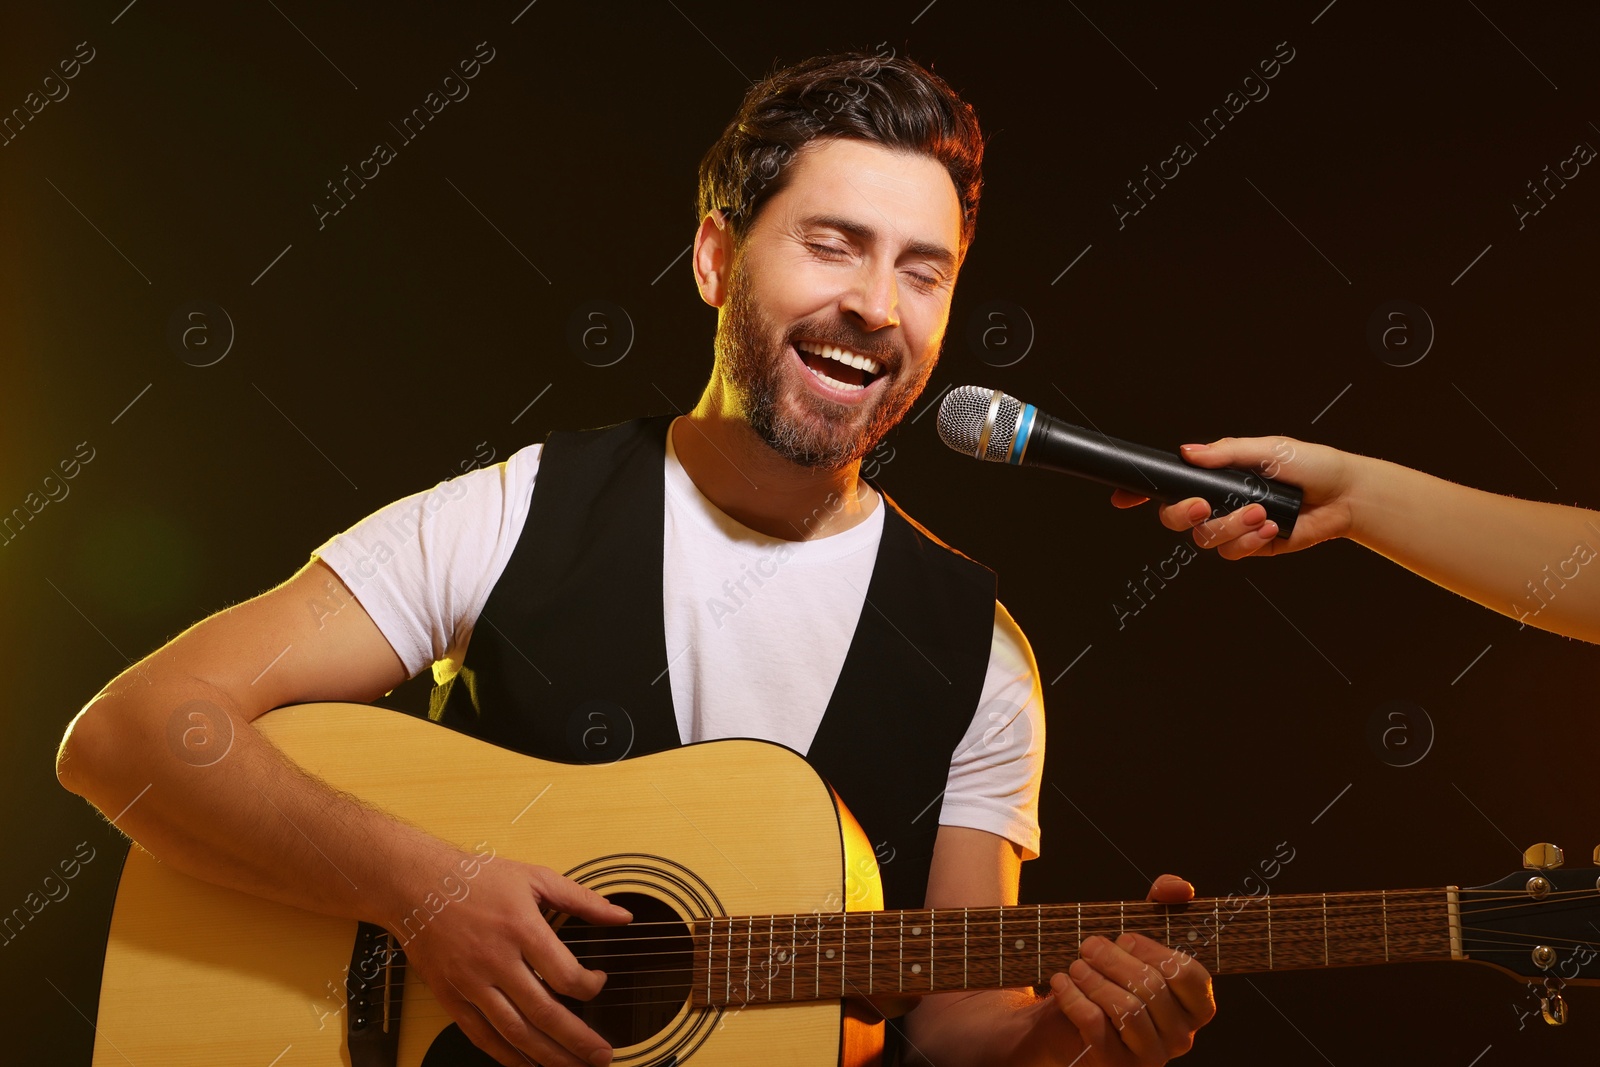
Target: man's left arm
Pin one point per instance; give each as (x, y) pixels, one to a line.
(1132, 1003)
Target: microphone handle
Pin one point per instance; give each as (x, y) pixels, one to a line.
(1164, 476)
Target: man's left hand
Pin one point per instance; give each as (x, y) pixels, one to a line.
(1132, 1002)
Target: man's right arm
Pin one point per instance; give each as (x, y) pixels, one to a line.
(255, 822)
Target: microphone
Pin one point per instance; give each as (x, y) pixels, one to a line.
(989, 425)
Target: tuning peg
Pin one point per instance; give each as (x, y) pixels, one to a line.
(1545, 857)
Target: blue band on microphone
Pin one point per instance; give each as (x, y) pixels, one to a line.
(1019, 443)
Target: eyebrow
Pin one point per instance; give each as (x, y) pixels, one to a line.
(866, 234)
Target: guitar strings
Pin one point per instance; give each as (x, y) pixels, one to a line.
(1253, 912)
(1401, 920)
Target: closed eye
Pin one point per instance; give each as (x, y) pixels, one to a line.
(925, 282)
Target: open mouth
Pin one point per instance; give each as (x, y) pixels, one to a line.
(839, 367)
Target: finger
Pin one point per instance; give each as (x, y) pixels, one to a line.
(1251, 452)
(533, 1020)
(1127, 1022)
(1170, 889)
(1151, 971)
(544, 951)
(1092, 1024)
(1261, 541)
(1210, 455)
(1187, 979)
(568, 896)
(1216, 533)
(1185, 514)
(1123, 499)
(476, 1026)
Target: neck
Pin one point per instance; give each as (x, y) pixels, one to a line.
(758, 488)
(816, 956)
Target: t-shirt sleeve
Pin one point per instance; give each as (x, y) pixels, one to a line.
(423, 566)
(998, 767)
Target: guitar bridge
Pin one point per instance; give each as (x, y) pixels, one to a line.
(374, 987)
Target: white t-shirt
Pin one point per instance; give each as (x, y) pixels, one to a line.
(757, 628)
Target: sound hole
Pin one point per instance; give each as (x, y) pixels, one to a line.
(649, 966)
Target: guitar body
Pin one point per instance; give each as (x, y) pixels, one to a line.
(199, 975)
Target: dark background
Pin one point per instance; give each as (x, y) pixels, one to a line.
(398, 344)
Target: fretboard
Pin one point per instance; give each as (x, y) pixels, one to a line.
(776, 958)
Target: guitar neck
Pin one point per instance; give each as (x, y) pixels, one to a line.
(779, 958)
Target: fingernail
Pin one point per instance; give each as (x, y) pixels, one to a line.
(1080, 971)
(1199, 513)
(1269, 530)
(600, 1057)
(1191, 449)
(1125, 941)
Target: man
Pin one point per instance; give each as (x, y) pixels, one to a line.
(835, 213)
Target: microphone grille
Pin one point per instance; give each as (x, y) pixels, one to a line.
(964, 417)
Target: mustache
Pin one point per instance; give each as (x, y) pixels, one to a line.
(882, 350)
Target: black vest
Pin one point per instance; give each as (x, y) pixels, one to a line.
(568, 661)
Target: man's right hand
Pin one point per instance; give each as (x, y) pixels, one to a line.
(495, 965)
(250, 820)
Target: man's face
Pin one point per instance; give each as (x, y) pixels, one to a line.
(856, 258)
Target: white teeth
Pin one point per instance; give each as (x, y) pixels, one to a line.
(835, 382)
(849, 359)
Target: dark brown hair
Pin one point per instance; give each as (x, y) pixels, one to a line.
(876, 97)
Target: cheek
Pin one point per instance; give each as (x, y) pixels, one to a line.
(803, 290)
(929, 332)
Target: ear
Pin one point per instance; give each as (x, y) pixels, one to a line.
(713, 258)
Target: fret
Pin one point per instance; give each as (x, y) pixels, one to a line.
(902, 954)
(933, 942)
(1080, 927)
(775, 956)
(965, 943)
(1122, 919)
(818, 971)
(1383, 900)
(1269, 932)
(844, 944)
(1002, 939)
(1216, 926)
(794, 952)
(1038, 942)
(1325, 954)
(749, 943)
(869, 952)
(727, 997)
(711, 954)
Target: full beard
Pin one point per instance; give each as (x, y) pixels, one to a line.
(804, 428)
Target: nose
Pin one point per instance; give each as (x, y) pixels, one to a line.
(874, 296)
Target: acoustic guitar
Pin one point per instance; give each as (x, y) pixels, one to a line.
(757, 933)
